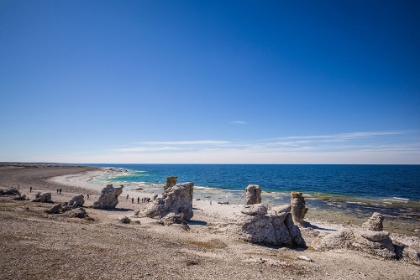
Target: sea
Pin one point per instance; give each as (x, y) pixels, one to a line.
(356, 190)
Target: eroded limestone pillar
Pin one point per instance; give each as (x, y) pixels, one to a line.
(252, 194)
(298, 210)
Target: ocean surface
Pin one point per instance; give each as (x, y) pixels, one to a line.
(398, 182)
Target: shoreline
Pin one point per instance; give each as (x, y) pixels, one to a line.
(401, 217)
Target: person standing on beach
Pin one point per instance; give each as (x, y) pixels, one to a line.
(57, 191)
(126, 197)
(132, 200)
(30, 189)
(60, 191)
(138, 200)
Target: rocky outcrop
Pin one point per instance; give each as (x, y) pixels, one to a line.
(371, 242)
(75, 202)
(56, 209)
(77, 213)
(252, 194)
(176, 199)
(298, 209)
(43, 197)
(254, 224)
(108, 198)
(125, 220)
(374, 223)
(9, 191)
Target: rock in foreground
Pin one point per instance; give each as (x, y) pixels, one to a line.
(253, 224)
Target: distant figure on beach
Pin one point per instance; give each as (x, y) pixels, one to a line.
(126, 198)
(57, 191)
(210, 202)
(132, 200)
(60, 191)
(30, 189)
(138, 200)
(87, 195)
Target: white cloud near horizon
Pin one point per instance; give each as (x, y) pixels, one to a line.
(366, 142)
(238, 122)
(387, 147)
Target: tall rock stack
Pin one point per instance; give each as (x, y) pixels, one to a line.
(252, 195)
(108, 198)
(298, 209)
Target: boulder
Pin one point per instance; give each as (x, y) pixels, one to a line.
(125, 220)
(374, 223)
(77, 213)
(77, 201)
(254, 224)
(9, 191)
(55, 209)
(43, 197)
(108, 198)
(298, 209)
(176, 199)
(252, 195)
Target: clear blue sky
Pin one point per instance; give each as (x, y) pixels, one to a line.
(210, 81)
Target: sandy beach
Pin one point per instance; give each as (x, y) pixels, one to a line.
(36, 245)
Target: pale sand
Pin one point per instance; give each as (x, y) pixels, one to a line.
(35, 245)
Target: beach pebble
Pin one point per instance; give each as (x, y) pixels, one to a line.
(305, 258)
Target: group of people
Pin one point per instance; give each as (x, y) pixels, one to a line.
(58, 191)
(143, 199)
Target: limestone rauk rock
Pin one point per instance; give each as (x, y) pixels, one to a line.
(255, 225)
(43, 197)
(75, 202)
(176, 199)
(374, 223)
(55, 209)
(370, 242)
(252, 194)
(298, 209)
(108, 198)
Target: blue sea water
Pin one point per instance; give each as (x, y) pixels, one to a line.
(369, 181)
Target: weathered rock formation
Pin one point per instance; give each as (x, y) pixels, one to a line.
(12, 191)
(55, 209)
(108, 198)
(374, 223)
(255, 225)
(298, 209)
(9, 191)
(252, 194)
(371, 242)
(77, 213)
(176, 199)
(125, 220)
(75, 202)
(43, 197)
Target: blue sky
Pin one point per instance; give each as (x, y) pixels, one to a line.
(210, 81)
